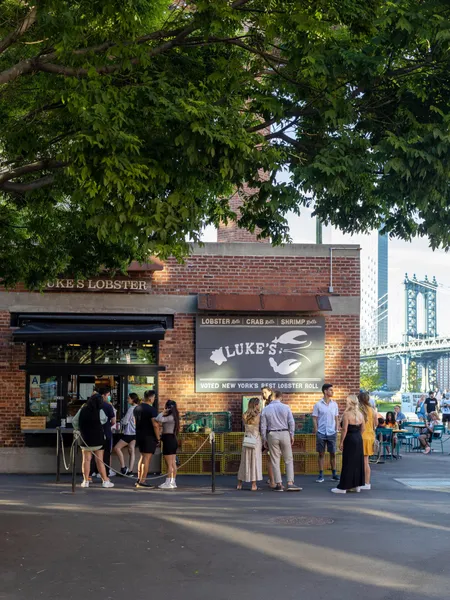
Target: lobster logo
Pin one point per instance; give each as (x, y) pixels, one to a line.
(279, 346)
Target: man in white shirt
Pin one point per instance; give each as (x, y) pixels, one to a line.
(326, 424)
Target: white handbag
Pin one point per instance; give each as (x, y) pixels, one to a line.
(249, 442)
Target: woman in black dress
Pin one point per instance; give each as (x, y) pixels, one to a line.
(352, 473)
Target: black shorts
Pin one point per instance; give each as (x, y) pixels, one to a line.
(170, 444)
(146, 445)
(445, 418)
(127, 438)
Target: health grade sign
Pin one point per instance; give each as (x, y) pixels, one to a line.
(243, 354)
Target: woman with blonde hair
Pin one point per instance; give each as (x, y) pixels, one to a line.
(352, 473)
(368, 436)
(250, 469)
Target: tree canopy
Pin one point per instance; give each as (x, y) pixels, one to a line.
(126, 124)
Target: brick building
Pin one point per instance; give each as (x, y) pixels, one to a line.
(139, 332)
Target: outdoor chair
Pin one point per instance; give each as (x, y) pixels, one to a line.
(384, 435)
(438, 436)
(409, 440)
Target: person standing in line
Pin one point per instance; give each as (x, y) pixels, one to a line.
(431, 404)
(326, 425)
(352, 473)
(147, 435)
(151, 398)
(368, 436)
(128, 436)
(267, 397)
(250, 469)
(105, 393)
(170, 422)
(89, 423)
(277, 430)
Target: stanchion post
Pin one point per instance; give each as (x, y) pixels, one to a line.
(58, 454)
(213, 462)
(74, 459)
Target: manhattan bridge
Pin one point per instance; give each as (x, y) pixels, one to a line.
(421, 348)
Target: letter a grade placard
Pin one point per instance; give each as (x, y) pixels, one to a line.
(240, 354)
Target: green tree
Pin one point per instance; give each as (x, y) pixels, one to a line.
(126, 124)
(413, 378)
(369, 375)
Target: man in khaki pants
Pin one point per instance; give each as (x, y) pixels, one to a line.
(277, 430)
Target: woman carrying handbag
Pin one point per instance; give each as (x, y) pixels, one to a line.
(250, 469)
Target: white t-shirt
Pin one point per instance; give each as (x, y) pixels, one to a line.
(445, 406)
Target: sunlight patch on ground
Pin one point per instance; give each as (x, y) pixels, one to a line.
(340, 564)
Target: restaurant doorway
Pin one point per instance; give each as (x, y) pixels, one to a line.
(59, 396)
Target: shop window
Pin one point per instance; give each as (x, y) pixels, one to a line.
(78, 354)
(113, 353)
(126, 353)
(43, 398)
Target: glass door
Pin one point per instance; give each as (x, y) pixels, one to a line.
(44, 398)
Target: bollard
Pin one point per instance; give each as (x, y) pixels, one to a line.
(58, 454)
(74, 457)
(213, 463)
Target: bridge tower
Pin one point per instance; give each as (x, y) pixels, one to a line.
(426, 368)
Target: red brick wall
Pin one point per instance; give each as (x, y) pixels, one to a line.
(214, 274)
(12, 385)
(231, 232)
(177, 352)
(258, 274)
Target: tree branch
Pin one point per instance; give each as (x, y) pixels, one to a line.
(20, 188)
(22, 67)
(39, 165)
(19, 31)
(282, 136)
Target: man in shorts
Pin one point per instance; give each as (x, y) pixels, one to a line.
(147, 436)
(445, 408)
(326, 424)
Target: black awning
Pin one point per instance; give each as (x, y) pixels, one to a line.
(78, 332)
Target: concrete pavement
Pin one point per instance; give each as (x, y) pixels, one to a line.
(388, 544)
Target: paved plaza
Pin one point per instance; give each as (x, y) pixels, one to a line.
(388, 544)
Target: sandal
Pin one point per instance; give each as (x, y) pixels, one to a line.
(239, 487)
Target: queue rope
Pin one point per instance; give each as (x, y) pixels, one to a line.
(77, 435)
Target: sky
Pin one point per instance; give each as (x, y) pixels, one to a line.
(404, 257)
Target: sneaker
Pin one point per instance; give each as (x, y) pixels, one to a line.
(96, 475)
(173, 484)
(367, 486)
(291, 487)
(335, 478)
(85, 484)
(338, 491)
(166, 486)
(107, 484)
(278, 488)
(112, 473)
(124, 471)
(427, 450)
(320, 479)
